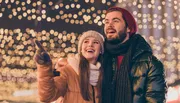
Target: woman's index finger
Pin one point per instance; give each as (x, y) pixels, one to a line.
(38, 45)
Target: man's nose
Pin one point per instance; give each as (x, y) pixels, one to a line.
(110, 24)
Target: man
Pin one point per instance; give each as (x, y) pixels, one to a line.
(131, 73)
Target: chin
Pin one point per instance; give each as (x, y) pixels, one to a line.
(111, 37)
(89, 58)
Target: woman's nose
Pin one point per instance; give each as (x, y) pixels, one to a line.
(90, 44)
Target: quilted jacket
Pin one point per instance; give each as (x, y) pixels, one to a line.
(147, 76)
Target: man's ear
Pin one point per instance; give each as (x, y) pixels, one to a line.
(128, 30)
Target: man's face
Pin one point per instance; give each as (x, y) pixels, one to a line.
(115, 26)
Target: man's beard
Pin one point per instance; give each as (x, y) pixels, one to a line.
(119, 39)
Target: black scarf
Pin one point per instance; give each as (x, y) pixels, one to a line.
(116, 48)
(119, 85)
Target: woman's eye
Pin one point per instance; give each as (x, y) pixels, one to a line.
(96, 42)
(85, 41)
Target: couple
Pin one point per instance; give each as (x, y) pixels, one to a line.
(121, 69)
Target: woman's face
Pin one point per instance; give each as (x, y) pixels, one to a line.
(91, 49)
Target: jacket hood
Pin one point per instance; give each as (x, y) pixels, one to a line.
(140, 46)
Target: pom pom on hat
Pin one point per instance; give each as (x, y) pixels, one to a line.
(91, 33)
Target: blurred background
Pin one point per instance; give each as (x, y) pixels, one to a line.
(57, 24)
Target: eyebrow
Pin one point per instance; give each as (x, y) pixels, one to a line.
(88, 39)
(114, 19)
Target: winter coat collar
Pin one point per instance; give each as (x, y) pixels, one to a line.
(73, 61)
(141, 46)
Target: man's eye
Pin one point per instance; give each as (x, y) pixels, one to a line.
(106, 22)
(116, 21)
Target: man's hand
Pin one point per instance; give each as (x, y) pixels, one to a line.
(41, 56)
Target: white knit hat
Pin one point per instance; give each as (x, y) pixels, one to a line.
(91, 33)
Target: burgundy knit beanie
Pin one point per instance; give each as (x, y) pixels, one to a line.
(129, 19)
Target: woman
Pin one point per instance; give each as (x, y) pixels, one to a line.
(80, 79)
